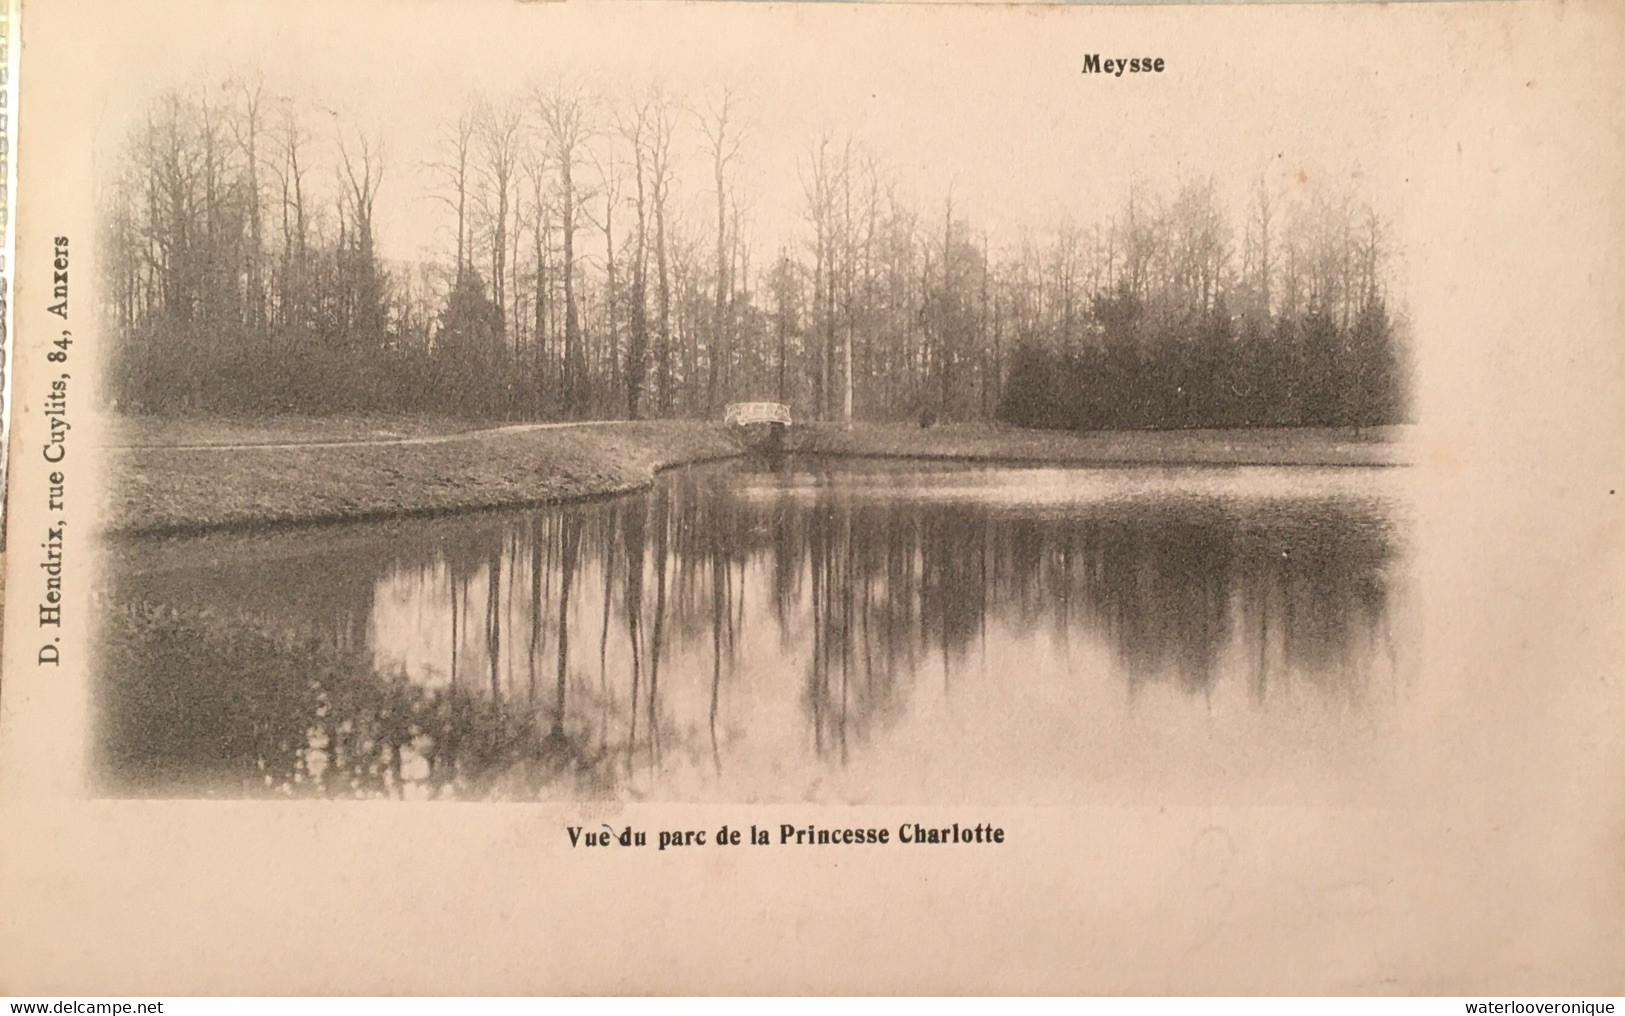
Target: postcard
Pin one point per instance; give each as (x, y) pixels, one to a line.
(623, 497)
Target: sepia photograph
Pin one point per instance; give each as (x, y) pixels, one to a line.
(1141, 479)
(1129, 413)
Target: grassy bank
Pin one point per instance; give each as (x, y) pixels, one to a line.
(1309, 446)
(183, 487)
(170, 477)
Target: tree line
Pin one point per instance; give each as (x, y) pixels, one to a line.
(244, 277)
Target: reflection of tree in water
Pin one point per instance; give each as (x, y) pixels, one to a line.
(1171, 587)
(281, 694)
(225, 705)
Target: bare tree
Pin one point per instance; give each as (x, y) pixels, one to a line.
(1260, 257)
(295, 221)
(605, 162)
(497, 128)
(538, 368)
(661, 125)
(457, 169)
(247, 128)
(362, 161)
(723, 136)
(820, 181)
(633, 125)
(565, 120)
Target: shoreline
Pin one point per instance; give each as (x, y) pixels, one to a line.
(1306, 447)
(192, 489)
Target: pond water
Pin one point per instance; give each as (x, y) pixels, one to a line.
(843, 632)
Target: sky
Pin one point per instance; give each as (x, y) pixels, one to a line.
(987, 104)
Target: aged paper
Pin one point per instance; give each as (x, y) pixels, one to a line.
(1165, 539)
